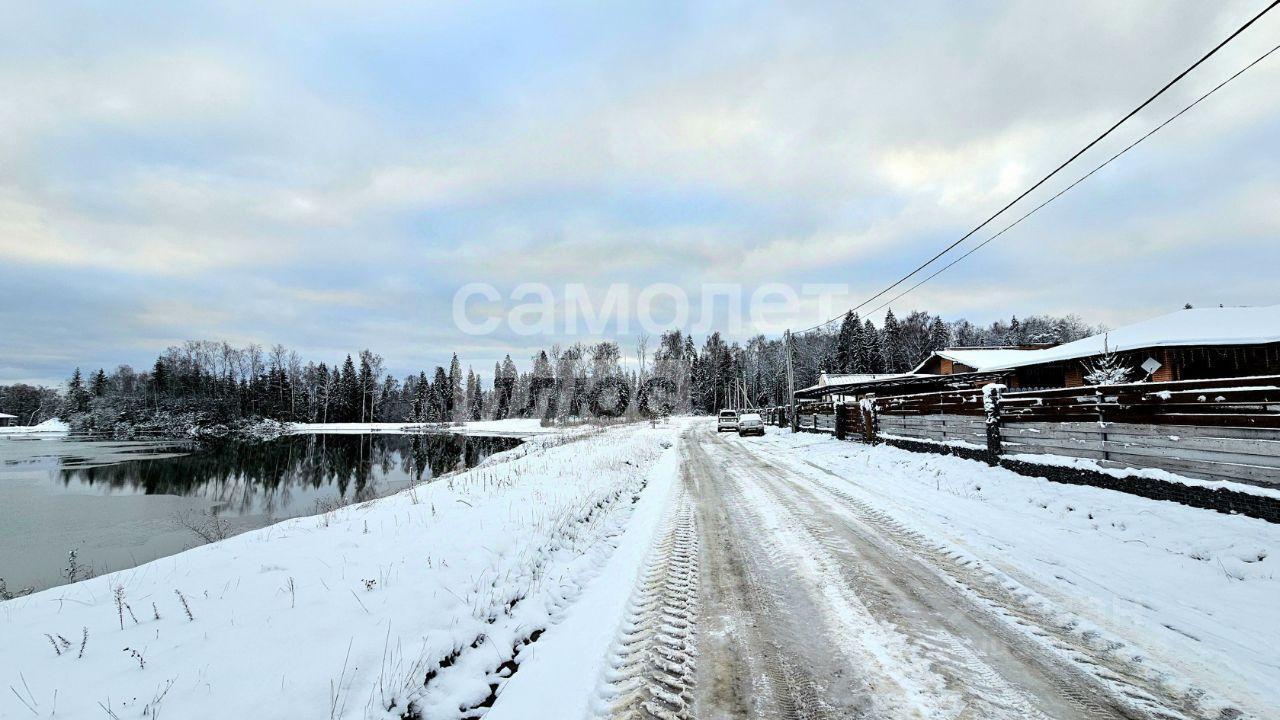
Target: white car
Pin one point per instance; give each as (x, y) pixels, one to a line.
(728, 420)
(750, 424)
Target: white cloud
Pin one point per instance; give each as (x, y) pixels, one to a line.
(794, 143)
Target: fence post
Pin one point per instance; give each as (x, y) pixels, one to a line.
(991, 404)
(842, 430)
(1102, 421)
(869, 418)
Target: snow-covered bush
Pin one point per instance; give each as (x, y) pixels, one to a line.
(1108, 369)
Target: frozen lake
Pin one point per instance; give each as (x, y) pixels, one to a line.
(118, 504)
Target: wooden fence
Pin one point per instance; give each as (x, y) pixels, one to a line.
(816, 417)
(1212, 429)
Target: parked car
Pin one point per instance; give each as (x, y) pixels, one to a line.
(750, 424)
(728, 420)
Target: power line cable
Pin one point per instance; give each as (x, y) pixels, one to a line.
(1084, 177)
(1056, 170)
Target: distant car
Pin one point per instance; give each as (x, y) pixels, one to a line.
(728, 420)
(750, 424)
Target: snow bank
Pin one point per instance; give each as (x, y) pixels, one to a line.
(421, 598)
(1151, 473)
(546, 687)
(1191, 592)
(947, 443)
(52, 425)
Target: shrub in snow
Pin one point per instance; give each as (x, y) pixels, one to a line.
(1108, 369)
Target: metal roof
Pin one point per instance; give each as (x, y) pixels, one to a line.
(981, 358)
(910, 383)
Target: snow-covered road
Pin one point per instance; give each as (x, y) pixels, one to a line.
(837, 580)
(671, 572)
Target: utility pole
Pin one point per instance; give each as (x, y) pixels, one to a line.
(791, 383)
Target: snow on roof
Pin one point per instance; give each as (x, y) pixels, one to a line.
(829, 379)
(6, 415)
(826, 379)
(1196, 326)
(980, 358)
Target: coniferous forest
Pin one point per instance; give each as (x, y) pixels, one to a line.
(213, 383)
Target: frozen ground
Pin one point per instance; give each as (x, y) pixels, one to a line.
(418, 600)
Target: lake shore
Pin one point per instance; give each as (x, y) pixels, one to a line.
(446, 581)
(119, 503)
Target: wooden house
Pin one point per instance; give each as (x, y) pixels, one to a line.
(1191, 344)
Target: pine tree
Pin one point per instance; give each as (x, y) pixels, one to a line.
(847, 344)
(160, 376)
(891, 344)
(499, 398)
(541, 384)
(1015, 336)
(1109, 368)
(440, 396)
(690, 357)
(421, 398)
(457, 396)
(870, 358)
(386, 398)
(939, 335)
(365, 381)
(504, 387)
(473, 395)
(98, 386)
(77, 396)
(348, 399)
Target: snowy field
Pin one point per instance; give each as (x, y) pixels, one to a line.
(1188, 593)
(348, 614)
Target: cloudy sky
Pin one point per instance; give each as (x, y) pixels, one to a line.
(328, 174)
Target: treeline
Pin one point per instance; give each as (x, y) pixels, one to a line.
(220, 383)
(223, 384)
(32, 404)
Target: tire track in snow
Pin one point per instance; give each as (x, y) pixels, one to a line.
(1094, 682)
(651, 671)
(771, 643)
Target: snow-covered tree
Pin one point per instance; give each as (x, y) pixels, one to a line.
(869, 359)
(939, 335)
(847, 343)
(457, 396)
(1107, 369)
(891, 344)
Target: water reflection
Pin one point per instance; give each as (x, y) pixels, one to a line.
(117, 503)
(284, 477)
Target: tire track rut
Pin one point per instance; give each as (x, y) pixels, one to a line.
(651, 672)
